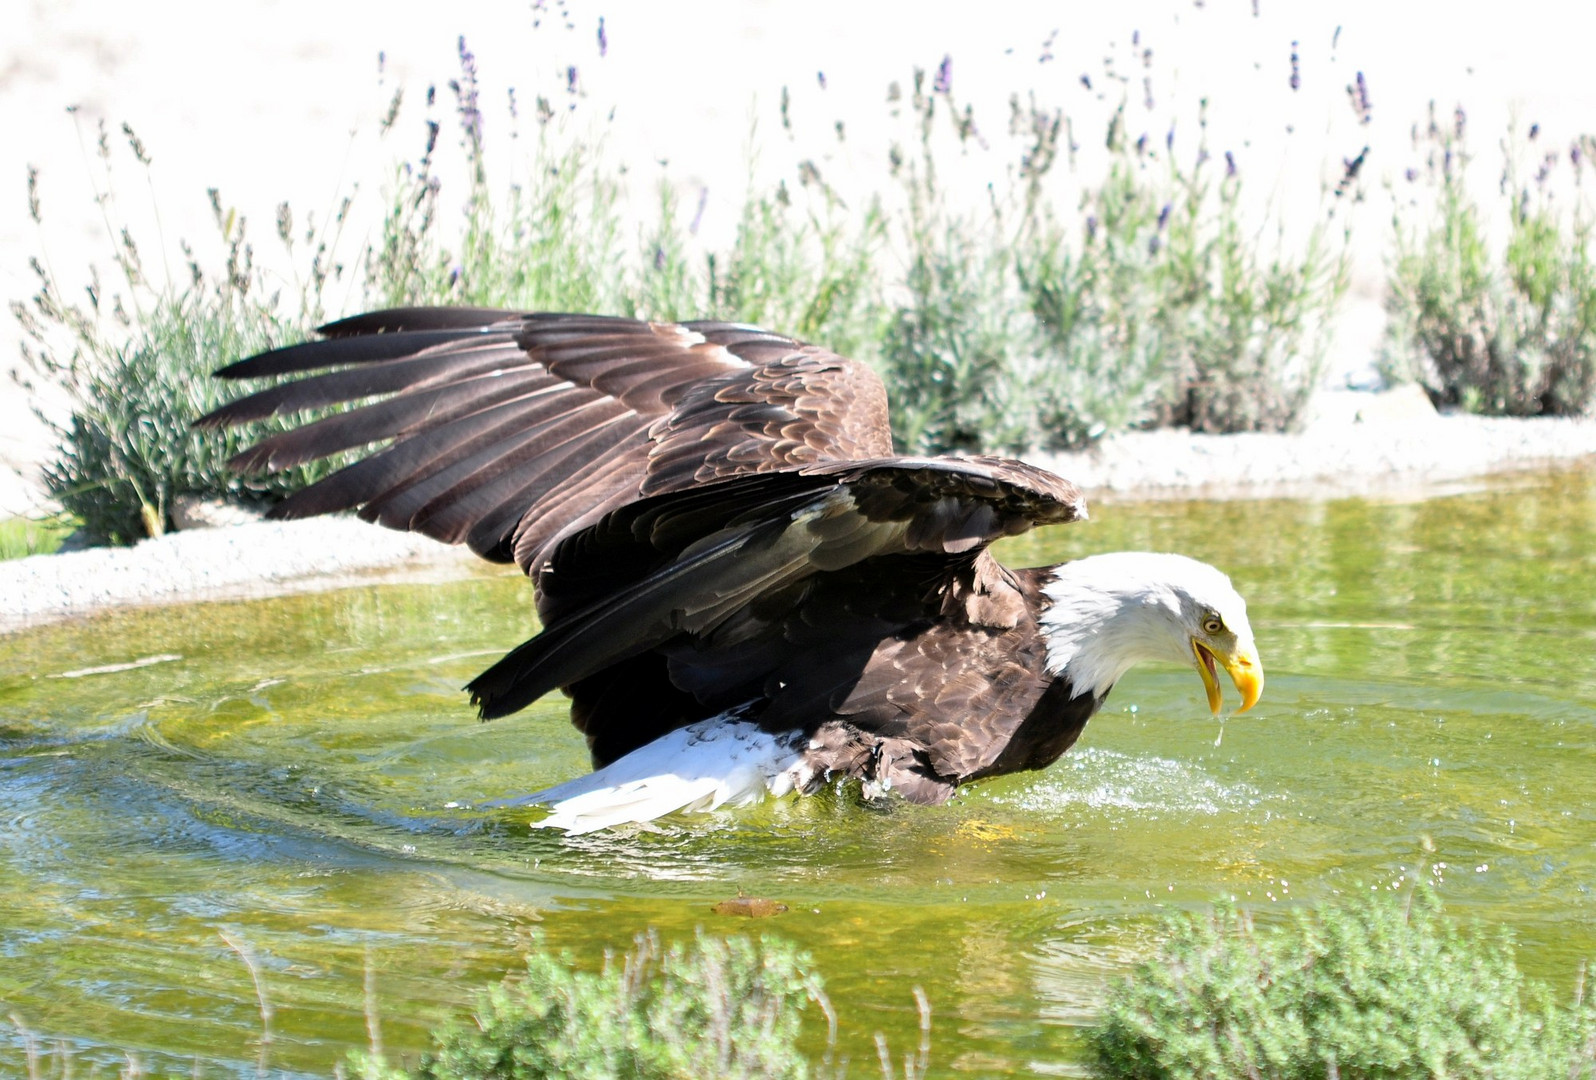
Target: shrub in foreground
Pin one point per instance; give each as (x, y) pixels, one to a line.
(727, 1008)
(1390, 989)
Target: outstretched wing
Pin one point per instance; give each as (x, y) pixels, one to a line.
(506, 431)
(669, 487)
(722, 564)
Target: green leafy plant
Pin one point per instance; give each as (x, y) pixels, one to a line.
(549, 240)
(1168, 312)
(24, 536)
(954, 341)
(1157, 306)
(1388, 989)
(802, 264)
(722, 1007)
(1507, 330)
(136, 365)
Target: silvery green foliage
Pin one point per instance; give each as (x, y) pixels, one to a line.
(731, 1008)
(1388, 988)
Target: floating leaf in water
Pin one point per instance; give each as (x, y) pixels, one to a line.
(749, 907)
(985, 830)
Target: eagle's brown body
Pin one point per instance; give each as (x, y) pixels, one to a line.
(714, 521)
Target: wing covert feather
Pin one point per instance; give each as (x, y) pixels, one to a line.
(446, 399)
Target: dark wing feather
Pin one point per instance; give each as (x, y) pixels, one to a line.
(690, 499)
(498, 425)
(695, 562)
(402, 414)
(362, 349)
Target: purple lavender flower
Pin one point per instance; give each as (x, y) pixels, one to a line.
(1535, 129)
(659, 257)
(1169, 138)
(1350, 169)
(698, 215)
(1574, 156)
(603, 38)
(944, 80)
(1358, 94)
(1411, 175)
(1091, 227)
(1141, 143)
(1230, 164)
(1086, 81)
(1544, 173)
(1163, 215)
(570, 79)
(820, 76)
(1460, 121)
(1296, 68)
(466, 99)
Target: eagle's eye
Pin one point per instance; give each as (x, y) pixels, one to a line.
(1213, 624)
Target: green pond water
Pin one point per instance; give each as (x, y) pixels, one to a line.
(289, 776)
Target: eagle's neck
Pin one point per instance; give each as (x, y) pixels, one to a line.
(1104, 614)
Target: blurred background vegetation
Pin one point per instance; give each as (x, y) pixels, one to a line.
(1152, 288)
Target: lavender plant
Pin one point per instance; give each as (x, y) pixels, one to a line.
(1389, 988)
(802, 263)
(999, 326)
(1504, 329)
(952, 345)
(1155, 306)
(725, 1007)
(1165, 310)
(551, 241)
(135, 359)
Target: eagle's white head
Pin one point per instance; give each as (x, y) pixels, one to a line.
(1106, 613)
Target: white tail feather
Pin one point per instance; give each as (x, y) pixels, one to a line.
(718, 762)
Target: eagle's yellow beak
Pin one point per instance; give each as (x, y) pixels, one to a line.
(1243, 667)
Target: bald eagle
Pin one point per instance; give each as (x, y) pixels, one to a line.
(743, 590)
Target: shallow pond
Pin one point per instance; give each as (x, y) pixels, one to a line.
(282, 778)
